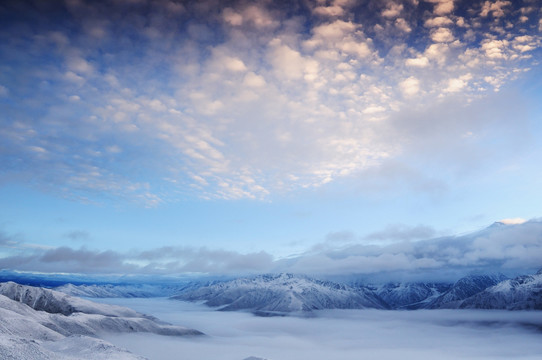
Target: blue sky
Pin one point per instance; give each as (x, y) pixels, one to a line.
(236, 135)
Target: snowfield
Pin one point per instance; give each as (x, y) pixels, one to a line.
(37, 323)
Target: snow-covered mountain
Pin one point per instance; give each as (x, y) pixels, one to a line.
(55, 302)
(283, 293)
(286, 293)
(463, 289)
(130, 290)
(520, 293)
(410, 296)
(112, 291)
(119, 291)
(37, 323)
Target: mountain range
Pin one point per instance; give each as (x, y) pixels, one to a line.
(274, 294)
(283, 293)
(265, 294)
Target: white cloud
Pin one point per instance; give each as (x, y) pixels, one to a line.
(392, 10)
(223, 61)
(438, 21)
(358, 49)
(457, 84)
(3, 91)
(335, 30)
(513, 221)
(437, 52)
(402, 25)
(442, 35)
(232, 17)
(410, 87)
(253, 80)
(287, 62)
(331, 11)
(497, 8)
(420, 61)
(335, 334)
(259, 17)
(74, 78)
(442, 7)
(374, 109)
(495, 49)
(267, 104)
(79, 65)
(514, 247)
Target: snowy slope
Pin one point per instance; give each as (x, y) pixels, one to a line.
(71, 315)
(118, 291)
(69, 348)
(464, 288)
(55, 302)
(283, 293)
(520, 293)
(129, 290)
(410, 296)
(37, 323)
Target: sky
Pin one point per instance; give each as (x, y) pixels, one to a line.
(244, 136)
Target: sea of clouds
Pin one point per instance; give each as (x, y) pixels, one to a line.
(336, 334)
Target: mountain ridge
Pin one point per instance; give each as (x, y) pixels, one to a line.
(37, 323)
(282, 293)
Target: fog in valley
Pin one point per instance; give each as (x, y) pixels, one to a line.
(336, 334)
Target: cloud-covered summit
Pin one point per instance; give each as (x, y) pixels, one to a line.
(156, 100)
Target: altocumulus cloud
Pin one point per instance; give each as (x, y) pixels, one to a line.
(511, 249)
(146, 100)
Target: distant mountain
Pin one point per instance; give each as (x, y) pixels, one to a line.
(463, 289)
(131, 290)
(520, 293)
(283, 293)
(37, 323)
(429, 295)
(125, 290)
(286, 293)
(410, 296)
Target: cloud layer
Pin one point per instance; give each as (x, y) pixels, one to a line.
(156, 100)
(343, 334)
(393, 254)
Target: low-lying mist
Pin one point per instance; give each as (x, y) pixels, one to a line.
(336, 334)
